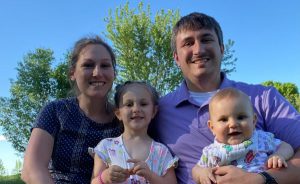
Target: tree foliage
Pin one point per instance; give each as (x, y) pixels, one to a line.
(17, 168)
(142, 46)
(36, 84)
(229, 60)
(298, 103)
(288, 90)
(2, 168)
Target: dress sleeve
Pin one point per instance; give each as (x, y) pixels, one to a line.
(212, 157)
(270, 142)
(102, 151)
(203, 162)
(166, 160)
(47, 119)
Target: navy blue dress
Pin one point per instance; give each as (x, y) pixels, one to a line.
(73, 133)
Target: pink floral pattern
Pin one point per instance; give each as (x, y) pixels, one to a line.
(112, 151)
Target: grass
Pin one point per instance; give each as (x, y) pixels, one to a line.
(12, 179)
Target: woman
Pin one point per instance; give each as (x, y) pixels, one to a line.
(57, 151)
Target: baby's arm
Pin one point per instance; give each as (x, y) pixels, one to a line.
(279, 158)
(142, 169)
(103, 174)
(203, 175)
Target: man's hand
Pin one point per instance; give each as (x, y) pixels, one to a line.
(233, 175)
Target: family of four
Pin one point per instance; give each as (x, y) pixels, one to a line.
(209, 130)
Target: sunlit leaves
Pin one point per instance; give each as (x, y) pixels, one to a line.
(142, 43)
(37, 83)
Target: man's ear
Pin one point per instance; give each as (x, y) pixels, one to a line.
(222, 49)
(175, 56)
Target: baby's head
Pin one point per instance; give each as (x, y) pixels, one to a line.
(232, 118)
(136, 104)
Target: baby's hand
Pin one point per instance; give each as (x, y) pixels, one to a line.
(203, 175)
(276, 161)
(117, 174)
(140, 168)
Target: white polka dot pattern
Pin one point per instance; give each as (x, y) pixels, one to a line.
(73, 133)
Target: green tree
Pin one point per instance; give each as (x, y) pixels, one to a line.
(2, 168)
(36, 84)
(288, 90)
(17, 168)
(142, 46)
(298, 103)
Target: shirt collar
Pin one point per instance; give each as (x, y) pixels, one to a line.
(182, 95)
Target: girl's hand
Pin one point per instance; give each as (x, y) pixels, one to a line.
(116, 174)
(140, 168)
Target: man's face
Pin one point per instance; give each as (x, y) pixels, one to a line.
(198, 54)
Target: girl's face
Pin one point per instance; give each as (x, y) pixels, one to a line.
(232, 120)
(136, 108)
(94, 72)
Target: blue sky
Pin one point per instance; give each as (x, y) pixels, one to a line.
(266, 35)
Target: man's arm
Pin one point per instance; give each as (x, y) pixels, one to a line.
(234, 175)
(291, 174)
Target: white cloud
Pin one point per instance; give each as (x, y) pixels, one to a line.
(2, 138)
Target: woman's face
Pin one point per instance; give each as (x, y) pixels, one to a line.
(94, 71)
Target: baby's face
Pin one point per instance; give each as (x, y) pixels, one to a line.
(232, 120)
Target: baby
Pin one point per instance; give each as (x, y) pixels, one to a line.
(232, 121)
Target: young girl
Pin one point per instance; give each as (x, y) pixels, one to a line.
(134, 157)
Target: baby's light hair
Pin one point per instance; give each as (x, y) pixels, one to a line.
(229, 92)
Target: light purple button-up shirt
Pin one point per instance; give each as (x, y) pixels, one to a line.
(182, 125)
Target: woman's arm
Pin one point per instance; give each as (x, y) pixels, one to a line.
(37, 157)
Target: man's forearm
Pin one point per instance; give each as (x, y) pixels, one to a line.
(288, 175)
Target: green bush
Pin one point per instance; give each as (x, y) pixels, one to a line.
(12, 179)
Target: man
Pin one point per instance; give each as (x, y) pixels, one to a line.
(197, 45)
